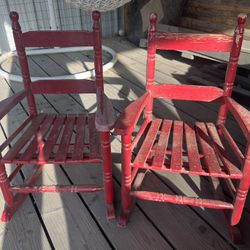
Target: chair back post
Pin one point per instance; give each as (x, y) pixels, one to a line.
(17, 34)
(97, 49)
(151, 64)
(232, 65)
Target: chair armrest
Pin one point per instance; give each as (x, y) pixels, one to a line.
(7, 104)
(130, 116)
(105, 115)
(241, 114)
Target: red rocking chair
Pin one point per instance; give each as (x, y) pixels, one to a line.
(179, 147)
(48, 138)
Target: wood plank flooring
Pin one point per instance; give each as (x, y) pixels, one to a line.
(77, 221)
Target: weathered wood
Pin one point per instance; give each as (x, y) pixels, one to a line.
(186, 92)
(76, 175)
(148, 143)
(160, 150)
(63, 87)
(57, 38)
(196, 42)
(176, 149)
(192, 148)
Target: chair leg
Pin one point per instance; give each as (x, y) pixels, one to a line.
(5, 187)
(107, 174)
(241, 194)
(18, 199)
(126, 180)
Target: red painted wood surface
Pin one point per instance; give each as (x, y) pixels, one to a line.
(186, 92)
(194, 141)
(232, 65)
(148, 143)
(56, 189)
(52, 138)
(9, 103)
(241, 114)
(80, 132)
(192, 149)
(195, 42)
(195, 148)
(48, 138)
(125, 124)
(64, 38)
(63, 87)
(105, 114)
(45, 154)
(220, 149)
(160, 150)
(176, 157)
(8, 141)
(182, 200)
(232, 143)
(63, 148)
(209, 155)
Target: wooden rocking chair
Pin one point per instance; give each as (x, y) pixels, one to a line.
(179, 147)
(48, 138)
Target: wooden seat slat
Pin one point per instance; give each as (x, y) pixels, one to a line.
(79, 145)
(38, 141)
(66, 137)
(176, 156)
(31, 130)
(94, 139)
(51, 141)
(192, 149)
(232, 170)
(160, 150)
(148, 143)
(210, 157)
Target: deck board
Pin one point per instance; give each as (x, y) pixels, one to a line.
(147, 229)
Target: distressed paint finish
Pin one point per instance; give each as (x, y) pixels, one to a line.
(180, 147)
(48, 138)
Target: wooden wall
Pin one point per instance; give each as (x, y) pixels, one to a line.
(215, 16)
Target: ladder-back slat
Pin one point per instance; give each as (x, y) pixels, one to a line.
(57, 38)
(195, 42)
(186, 92)
(63, 87)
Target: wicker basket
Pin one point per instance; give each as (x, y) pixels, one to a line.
(100, 5)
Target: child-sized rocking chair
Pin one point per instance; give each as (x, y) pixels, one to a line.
(52, 138)
(179, 147)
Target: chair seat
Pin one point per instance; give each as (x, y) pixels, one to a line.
(53, 138)
(187, 148)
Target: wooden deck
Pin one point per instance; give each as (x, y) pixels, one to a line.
(77, 221)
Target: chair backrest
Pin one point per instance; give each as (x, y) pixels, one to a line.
(194, 42)
(58, 39)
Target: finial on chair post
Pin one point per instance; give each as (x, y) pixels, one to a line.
(96, 16)
(241, 19)
(153, 21)
(15, 21)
